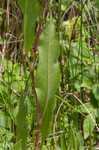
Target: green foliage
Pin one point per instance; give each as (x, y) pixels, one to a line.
(5, 138)
(21, 123)
(17, 146)
(63, 143)
(5, 120)
(76, 111)
(96, 92)
(88, 126)
(1, 21)
(48, 76)
(13, 104)
(31, 11)
(75, 140)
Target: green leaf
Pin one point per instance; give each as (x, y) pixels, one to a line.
(22, 5)
(75, 140)
(48, 76)
(17, 146)
(1, 41)
(87, 82)
(31, 11)
(1, 11)
(63, 142)
(5, 120)
(22, 123)
(96, 92)
(88, 126)
(90, 107)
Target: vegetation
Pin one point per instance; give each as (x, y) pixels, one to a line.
(49, 75)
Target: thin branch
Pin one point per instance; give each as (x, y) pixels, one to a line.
(8, 7)
(38, 105)
(40, 26)
(32, 75)
(33, 87)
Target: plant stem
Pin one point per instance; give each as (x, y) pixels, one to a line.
(40, 26)
(32, 75)
(38, 105)
(37, 135)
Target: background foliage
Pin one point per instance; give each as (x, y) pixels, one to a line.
(64, 67)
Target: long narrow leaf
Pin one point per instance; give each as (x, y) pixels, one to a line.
(31, 11)
(22, 124)
(48, 76)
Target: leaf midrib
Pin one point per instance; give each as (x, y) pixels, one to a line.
(48, 78)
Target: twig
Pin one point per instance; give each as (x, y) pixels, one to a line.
(8, 4)
(33, 87)
(3, 49)
(38, 105)
(66, 11)
(5, 11)
(32, 75)
(40, 26)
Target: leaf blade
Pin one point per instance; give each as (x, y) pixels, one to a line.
(48, 76)
(88, 126)
(31, 11)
